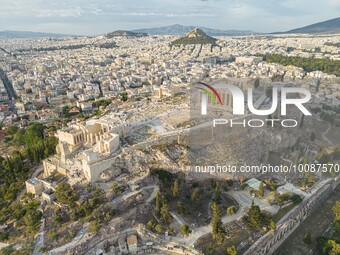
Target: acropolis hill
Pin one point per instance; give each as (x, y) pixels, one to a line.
(88, 148)
(91, 147)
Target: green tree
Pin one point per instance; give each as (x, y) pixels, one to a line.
(150, 225)
(175, 189)
(217, 194)
(254, 216)
(34, 133)
(217, 225)
(195, 195)
(58, 219)
(159, 228)
(65, 111)
(336, 211)
(53, 235)
(12, 130)
(165, 214)
(80, 116)
(296, 199)
(185, 230)
(4, 236)
(232, 250)
(71, 233)
(101, 102)
(231, 210)
(307, 239)
(334, 247)
(158, 202)
(272, 226)
(271, 184)
(260, 192)
(308, 64)
(116, 189)
(94, 227)
(32, 220)
(124, 96)
(336, 227)
(65, 194)
(180, 207)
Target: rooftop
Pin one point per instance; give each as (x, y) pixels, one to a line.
(132, 240)
(253, 183)
(34, 181)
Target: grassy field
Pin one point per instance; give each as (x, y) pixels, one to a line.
(282, 212)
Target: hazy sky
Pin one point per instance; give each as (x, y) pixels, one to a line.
(89, 17)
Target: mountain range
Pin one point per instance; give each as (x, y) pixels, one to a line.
(124, 33)
(8, 34)
(181, 30)
(331, 26)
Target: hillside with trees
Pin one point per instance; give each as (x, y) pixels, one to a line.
(308, 64)
(196, 36)
(15, 168)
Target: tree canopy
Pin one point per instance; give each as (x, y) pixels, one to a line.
(308, 64)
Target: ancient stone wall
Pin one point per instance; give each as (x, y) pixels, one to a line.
(271, 241)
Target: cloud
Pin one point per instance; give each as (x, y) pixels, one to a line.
(161, 14)
(62, 13)
(92, 16)
(334, 3)
(69, 12)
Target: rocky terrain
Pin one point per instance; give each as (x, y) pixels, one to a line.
(196, 36)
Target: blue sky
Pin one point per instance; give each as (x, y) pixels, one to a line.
(89, 17)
